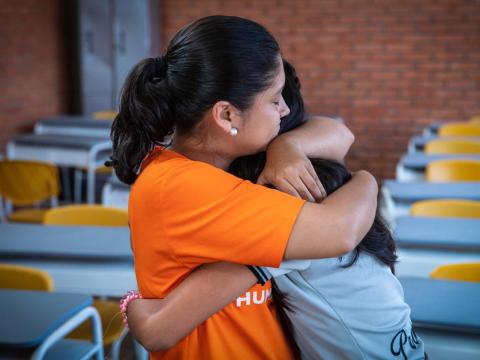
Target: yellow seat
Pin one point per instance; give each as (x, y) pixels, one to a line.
(88, 215)
(460, 272)
(453, 170)
(105, 115)
(112, 323)
(459, 129)
(24, 278)
(452, 146)
(446, 208)
(94, 215)
(25, 183)
(475, 119)
(28, 215)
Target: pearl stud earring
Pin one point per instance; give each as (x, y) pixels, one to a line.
(233, 131)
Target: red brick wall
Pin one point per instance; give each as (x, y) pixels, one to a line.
(32, 64)
(387, 67)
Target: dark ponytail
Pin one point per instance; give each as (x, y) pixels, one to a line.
(212, 59)
(144, 118)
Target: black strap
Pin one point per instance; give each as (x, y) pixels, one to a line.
(261, 275)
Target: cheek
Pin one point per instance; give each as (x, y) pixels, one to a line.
(261, 128)
(268, 128)
(268, 119)
(271, 119)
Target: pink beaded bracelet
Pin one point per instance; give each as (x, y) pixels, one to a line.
(129, 296)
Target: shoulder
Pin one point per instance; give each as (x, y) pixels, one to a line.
(178, 171)
(184, 185)
(181, 181)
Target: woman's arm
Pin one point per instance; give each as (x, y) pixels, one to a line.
(288, 168)
(336, 225)
(321, 137)
(159, 324)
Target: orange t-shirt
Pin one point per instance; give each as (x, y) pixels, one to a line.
(185, 213)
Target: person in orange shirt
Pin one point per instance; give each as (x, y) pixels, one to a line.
(317, 301)
(217, 92)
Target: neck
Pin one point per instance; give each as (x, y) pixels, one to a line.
(200, 151)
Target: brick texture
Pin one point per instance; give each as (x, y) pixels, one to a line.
(387, 67)
(33, 64)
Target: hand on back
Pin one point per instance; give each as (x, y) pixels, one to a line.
(289, 170)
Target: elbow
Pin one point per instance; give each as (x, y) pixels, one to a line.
(347, 240)
(349, 243)
(347, 140)
(154, 345)
(348, 137)
(353, 233)
(357, 230)
(156, 340)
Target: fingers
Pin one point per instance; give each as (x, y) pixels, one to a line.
(285, 186)
(302, 183)
(318, 183)
(300, 188)
(312, 187)
(261, 179)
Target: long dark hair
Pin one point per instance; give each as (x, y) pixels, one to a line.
(378, 241)
(214, 58)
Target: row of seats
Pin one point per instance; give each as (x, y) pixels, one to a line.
(452, 170)
(26, 188)
(24, 278)
(21, 189)
(454, 138)
(27, 183)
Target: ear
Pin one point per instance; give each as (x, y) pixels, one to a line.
(226, 116)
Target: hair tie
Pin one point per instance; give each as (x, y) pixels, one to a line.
(160, 70)
(111, 162)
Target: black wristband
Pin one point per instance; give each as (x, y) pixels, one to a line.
(260, 274)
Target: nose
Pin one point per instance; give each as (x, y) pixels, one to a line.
(284, 109)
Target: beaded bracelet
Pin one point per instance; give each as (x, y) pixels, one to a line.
(129, 296)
